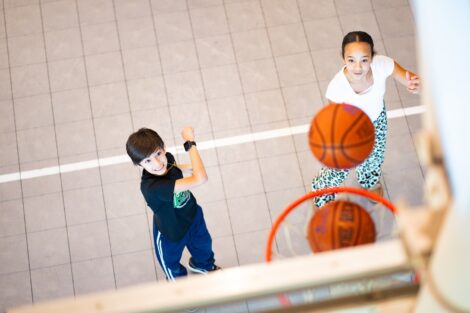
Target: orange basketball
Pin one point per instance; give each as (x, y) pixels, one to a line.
(341, 136)
(340, 224)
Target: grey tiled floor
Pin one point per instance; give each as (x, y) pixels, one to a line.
(77, 76)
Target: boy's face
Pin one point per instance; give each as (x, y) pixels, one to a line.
(155, 163)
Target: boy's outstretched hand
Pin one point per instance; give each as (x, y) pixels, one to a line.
(412, 83)
(187, 133)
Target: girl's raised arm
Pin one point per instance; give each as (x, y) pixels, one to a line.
(407, 78)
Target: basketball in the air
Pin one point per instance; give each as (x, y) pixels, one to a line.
(341, 136)
(340, 224)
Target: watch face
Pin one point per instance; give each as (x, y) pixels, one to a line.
(187, 145)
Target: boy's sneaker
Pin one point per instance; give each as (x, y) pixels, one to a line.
(198, 270)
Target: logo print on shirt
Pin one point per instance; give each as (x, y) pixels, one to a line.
(180, 199)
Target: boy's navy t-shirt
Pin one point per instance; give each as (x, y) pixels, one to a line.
(173, 212)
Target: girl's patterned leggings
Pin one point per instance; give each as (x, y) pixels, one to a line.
(368, 172)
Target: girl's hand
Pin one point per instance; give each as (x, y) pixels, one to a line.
(412, 83)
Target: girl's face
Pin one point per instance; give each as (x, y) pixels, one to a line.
(357, 57)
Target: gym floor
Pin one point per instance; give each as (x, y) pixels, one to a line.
(78, 76)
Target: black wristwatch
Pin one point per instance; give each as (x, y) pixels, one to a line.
(188, 144)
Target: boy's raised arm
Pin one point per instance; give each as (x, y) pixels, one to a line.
(198, 175)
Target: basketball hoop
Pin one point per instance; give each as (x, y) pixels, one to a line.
(352, 190)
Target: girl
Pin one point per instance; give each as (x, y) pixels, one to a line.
(361, 82)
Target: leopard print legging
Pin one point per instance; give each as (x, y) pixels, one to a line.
(368, 173)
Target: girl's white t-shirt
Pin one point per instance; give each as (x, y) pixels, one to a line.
(370, 101)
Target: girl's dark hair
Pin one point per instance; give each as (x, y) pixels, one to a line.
(143, 143)
(357, 36)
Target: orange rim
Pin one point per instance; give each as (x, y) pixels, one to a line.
(352, 190)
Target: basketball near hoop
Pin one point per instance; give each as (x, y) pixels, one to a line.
(341, 136)
(340, 224)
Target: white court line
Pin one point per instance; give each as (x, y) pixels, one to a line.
(204, 145)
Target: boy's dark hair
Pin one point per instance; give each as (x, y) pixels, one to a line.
(357, 36)
(143, 143)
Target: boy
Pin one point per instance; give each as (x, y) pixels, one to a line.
(178, 220)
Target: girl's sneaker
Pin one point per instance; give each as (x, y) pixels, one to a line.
(378, 190)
